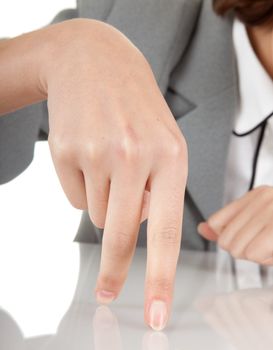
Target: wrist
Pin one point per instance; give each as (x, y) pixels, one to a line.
(68, 47)
(29, 62)
(20, 61)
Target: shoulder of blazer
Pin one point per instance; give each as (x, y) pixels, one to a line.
(161, 29)
(208, 64)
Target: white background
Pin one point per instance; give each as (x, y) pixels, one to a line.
(19, 16)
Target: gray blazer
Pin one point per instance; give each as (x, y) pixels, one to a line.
(191, 53)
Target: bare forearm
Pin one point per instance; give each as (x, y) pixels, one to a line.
(29, 61)
(21, 59)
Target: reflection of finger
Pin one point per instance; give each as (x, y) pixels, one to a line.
(215, 312)
(226, 317)
(106, 330)
(244, 324)
(155, 341)
(261, 316)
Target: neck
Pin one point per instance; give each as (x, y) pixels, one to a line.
(262, 42)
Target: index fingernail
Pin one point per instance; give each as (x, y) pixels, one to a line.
(104, 296)
(158, 315)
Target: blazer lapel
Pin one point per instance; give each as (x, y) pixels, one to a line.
(207, 130)
(203, 97)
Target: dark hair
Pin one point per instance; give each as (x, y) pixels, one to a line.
(251, 12)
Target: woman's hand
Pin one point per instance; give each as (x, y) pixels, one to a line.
(115, 145)
(113, 137)
(245, 227)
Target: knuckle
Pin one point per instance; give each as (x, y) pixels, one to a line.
(175, 147)
(122, 244)
(263, 188)
(250, 255)
(161, 284)
(168, 235)
(265, 192)
(61, 148)
(213, 223)
(92, 152)
(111, 282)
(223, 243)
(129, 149)
(236, 253)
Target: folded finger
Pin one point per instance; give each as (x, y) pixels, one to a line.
(219, 220)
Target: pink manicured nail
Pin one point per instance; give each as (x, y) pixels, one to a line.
(104, 296)
(158, 315)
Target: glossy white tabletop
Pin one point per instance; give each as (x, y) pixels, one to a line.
(50, 305)
(47, 282)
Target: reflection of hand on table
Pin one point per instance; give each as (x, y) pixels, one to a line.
(244, 317)
(107, 333)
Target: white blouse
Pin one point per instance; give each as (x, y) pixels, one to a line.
(250, 156)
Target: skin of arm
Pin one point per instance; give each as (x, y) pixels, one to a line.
(20, 60)
(107, 120)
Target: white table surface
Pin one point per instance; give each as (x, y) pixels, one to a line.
(52, 306)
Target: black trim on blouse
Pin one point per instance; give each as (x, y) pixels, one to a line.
(261, 125)
(253, 129)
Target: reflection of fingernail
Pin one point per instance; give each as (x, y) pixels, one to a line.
(104, 296)
(202, 305)
(158, 315)
(155, 341)
(104, 317)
